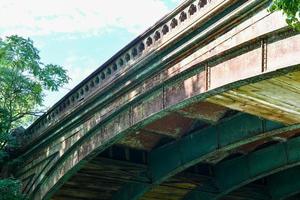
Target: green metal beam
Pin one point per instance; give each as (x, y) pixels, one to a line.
(284, 184)
(250, 192)
(178, 156)
(235, 173)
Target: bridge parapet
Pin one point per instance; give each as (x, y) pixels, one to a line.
(161, 34)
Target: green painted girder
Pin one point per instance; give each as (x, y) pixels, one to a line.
(194, 148)
(235, 173)
(284, 184)
(250, 192)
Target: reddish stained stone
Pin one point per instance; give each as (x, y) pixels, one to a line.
(173, 125)
(204, 111)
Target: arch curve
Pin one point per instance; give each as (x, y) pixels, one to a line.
(285, 184)
(235, 173)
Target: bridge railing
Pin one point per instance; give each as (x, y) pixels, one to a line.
(131, 54)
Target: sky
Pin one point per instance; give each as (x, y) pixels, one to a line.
(79, 35)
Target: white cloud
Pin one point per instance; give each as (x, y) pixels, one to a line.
(177, 1)
(42, 17)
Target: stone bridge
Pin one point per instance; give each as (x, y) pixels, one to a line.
(203, 105)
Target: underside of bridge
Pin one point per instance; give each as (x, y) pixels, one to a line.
(250, 146)
(243, 168)
(203, 105)
(242, 144)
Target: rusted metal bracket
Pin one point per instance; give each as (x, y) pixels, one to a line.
(208, 76)
(264, 47)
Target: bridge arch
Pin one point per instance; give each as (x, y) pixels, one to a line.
(285, 184)
(233, 174)
(203, 144)
(163, 82)
(200, 145)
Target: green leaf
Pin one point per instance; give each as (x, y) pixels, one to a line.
(23, 81)
(10, 189)
(291, 9)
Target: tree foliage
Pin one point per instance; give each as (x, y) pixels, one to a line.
(291, 8)
(10, 189)
(23, 79)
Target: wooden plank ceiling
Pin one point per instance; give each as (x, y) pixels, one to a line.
(275, 99)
